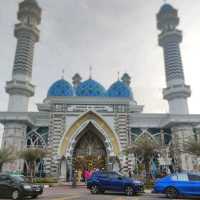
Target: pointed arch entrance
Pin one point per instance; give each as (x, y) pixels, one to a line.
(90, 142)
(90, 151)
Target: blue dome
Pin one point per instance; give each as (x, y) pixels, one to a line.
(60, 88)
(90, 88)
(119, 89)
(166, 8)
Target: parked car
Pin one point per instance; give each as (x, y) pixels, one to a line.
(17, 187)
(179, 184)
(113, 181)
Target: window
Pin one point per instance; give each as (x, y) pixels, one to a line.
(102, 175)
(194, 177)
(113, 175)
(4, 178)
(180, 177)
(174, 177)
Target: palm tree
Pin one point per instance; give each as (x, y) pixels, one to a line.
(144, 148)
(30, 156)
(6, 155)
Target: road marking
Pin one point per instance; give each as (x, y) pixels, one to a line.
(120, 198)
(68, 198)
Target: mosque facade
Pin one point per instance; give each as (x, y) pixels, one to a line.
(82, 124)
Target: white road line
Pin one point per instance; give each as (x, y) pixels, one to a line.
(68, 198)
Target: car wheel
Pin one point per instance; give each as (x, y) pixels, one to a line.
(94, 189)
(129, 191)
(171, 193)
(101, 191)
(34, 196)
(16, 195)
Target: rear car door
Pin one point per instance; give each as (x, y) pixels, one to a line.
(183, 184)
(116, 181)
(194, 180)
(104, 180)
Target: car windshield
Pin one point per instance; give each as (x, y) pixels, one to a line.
(120, 174)
(20, 178)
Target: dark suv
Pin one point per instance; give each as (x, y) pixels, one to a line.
(17, 187)
(102, 181)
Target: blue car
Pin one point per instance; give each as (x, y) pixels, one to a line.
(178, 184)
(113, 181)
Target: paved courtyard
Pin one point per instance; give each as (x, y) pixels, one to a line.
(67, 193)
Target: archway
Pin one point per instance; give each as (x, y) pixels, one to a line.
(89, 152)
(69, 139)
(89, 125)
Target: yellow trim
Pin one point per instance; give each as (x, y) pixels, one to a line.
(65, 143)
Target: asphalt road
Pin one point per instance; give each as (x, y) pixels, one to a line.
(66, 193)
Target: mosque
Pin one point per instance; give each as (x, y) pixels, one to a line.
(82, 124)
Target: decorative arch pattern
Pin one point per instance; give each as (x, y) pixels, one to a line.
(160, 136)
(70, 137)
(35, 138)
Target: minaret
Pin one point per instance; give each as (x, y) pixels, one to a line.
(176, 92)
(27, 34)
(20, 87)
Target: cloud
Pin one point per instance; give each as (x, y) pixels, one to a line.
(111, 36)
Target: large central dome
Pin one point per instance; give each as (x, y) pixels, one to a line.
(90, 88)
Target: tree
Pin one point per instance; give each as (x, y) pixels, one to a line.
(145, 149)
(30, 156)
(192, 146)
(6, 155)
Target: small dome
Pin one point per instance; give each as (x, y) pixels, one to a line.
(90, 88)
(60, 88)
(119, 89)
(166, 8)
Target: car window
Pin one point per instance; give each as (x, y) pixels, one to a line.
(174, 177)
(179, 177)
(19, 178)
(4, 178)
(114, 175)
(194, 177)
(103, 175)
(182, 177)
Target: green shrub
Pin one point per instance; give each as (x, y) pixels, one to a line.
(45, 180)
(149, 184)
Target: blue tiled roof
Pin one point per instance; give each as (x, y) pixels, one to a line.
(90, 88)
(60, 88)
(119, 89)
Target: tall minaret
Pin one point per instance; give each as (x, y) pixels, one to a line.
(20, 87)
(27, 34)
(176, 92)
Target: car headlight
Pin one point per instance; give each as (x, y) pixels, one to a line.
(27, 187)
(137, 182)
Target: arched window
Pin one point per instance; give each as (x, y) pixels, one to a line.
(34, 139)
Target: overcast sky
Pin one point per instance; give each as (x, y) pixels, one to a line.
(111, 36)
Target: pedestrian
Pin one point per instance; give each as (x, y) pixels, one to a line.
(129, 174)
